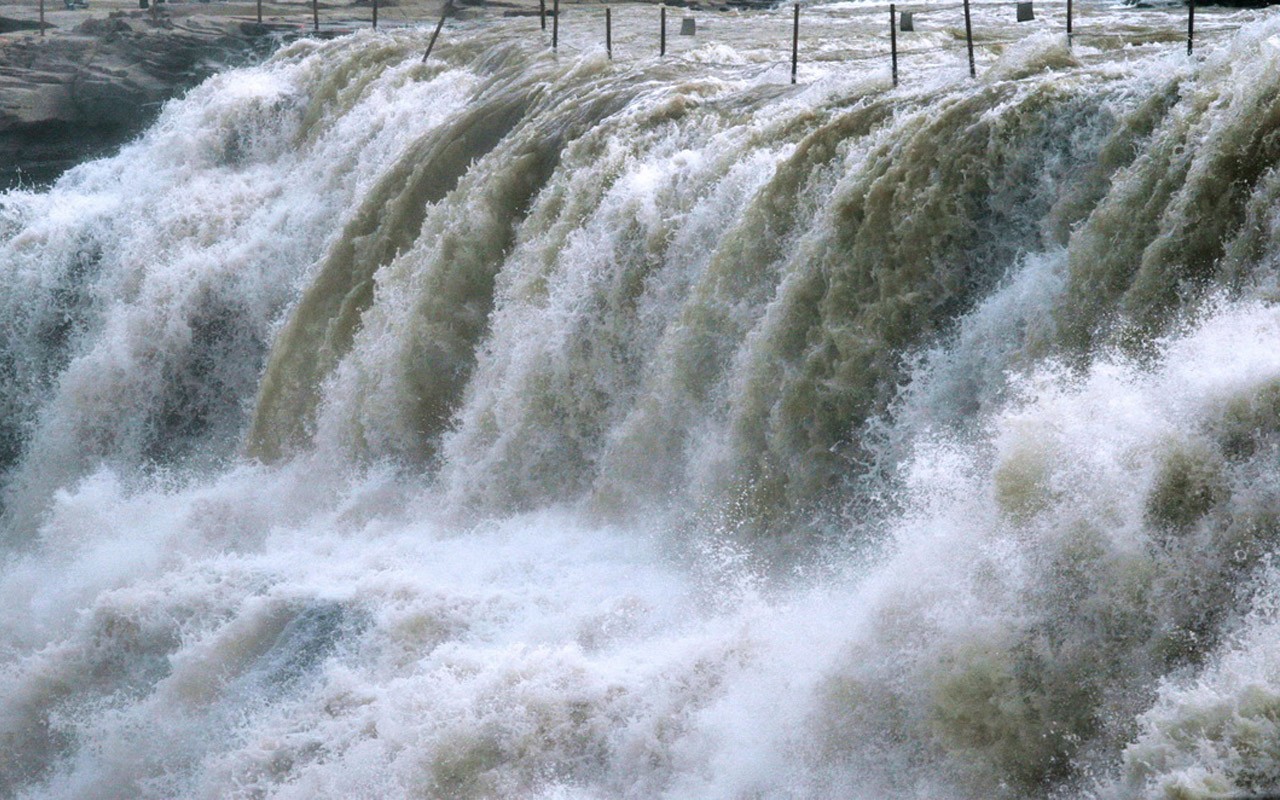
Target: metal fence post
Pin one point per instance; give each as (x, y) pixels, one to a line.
(662, 34)
(431, 44)
(795, 42)
(968, 37)
(1191, 25)
(893, 39)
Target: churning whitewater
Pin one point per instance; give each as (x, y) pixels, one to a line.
(524, 424)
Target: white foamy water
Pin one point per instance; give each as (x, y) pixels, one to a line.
(521, 425)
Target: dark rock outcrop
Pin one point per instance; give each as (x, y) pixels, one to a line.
(81, 93)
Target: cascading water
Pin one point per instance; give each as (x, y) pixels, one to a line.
(533, 425)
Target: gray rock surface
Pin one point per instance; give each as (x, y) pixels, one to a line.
(76, 94)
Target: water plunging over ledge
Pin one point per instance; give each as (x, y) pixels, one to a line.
(531, 425)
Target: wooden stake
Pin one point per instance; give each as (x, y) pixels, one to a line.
(444, 13)
(1068, 23)
(375, 14)
(968, 36)
(315, 15)
(259, 11)
(795, 42)
(42, 17)
(542, 13)
(555, 24)
(893, 39)
(662, 35)
(608, 31)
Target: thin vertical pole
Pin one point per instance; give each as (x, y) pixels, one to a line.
(893, 39)
(375, 14)
(608, 31)
(1068, 23)
(555, 24)
(315, 15)
(542, 13)
(443, 13)
(259, 11)
(1191, 24)
(968, 36)
(662, 34)
(795, 41)
(42, 17)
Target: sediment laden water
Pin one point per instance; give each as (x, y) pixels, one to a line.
(523, 425)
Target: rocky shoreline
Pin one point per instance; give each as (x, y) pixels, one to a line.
(99, 74)
(80, 93)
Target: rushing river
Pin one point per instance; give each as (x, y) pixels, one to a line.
(533, 425)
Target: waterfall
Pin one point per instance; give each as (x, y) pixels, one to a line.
(530, 424)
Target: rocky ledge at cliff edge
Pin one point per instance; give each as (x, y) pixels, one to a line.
(78, 93)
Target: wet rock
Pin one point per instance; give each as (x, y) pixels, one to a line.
(76, 94)
(8, 25)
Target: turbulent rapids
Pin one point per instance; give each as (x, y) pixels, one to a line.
(531, 425)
